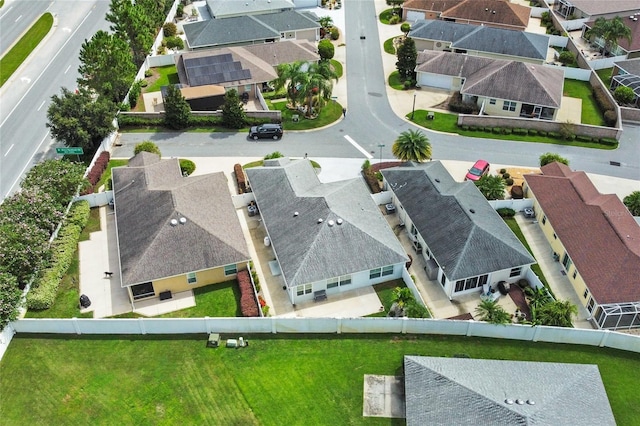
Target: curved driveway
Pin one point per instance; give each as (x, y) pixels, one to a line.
(371, 122)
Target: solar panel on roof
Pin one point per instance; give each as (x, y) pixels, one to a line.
(214, 70)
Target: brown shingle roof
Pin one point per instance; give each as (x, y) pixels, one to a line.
(430, 5)
(499, 12)
(597, 230)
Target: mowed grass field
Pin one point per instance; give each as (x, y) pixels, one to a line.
(277, 380)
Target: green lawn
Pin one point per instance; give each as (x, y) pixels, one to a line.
(591, 114)
(218, 300)
(385, 15)
(337, 68)
(513, 225)
(106, 175)
(385, 293)
(388, 46)
(331, 112)
(447, 122)
(605, 75)
(395, 82)
(278, 380)
(168, 75)
(10, 62)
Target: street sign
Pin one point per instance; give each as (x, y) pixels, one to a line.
(72, 150)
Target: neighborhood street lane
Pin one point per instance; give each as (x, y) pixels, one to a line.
(16, 17)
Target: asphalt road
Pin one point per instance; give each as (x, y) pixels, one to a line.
(16, 17)
(370, 122)
(24, 138)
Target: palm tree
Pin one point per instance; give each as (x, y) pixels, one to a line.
(610, 31)
(558, 313)
(315, 84)
(537, 298)
(288, 76)
(489, 311)
(412, 145)
(632, 201)
(491, 186)
(401, 296)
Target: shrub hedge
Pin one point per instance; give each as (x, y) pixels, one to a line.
(506, 212)
(45, 287)
(187, 167)
(96, 171)
(372, 181)
(535, 132)
(240, 178)
(516, 192)
(248, 303)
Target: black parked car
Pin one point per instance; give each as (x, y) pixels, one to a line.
(266, 131)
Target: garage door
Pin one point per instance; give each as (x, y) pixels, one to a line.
(414, 15)
(435, 80)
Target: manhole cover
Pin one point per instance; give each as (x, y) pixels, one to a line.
(377, 95)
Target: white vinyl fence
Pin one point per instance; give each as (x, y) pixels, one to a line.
(274, 325)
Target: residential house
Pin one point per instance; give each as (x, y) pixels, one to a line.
(593, 9)
(498, 87)
(220, 9)
(477, 40)
(627, 48)
(463, 391)
(464, 242)
(627, 73)
(252, 29)
(326, 237)
(243, 68)
(596, 241)
(174, 233)
(493, 13)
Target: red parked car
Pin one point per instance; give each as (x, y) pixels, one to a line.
(479, 169)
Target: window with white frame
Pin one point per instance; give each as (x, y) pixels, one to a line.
(375, 273)
(332, 283)
(470, 283)
(590, 305)
(230, 270)
(345, 280)
(303, 289)
(586, 293)
(509, 106)
(575, 273)
(387, 270)
(191, 278)
(515, 272)
(492, 101)
(544, 219)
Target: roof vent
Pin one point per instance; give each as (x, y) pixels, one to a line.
(486, 9)
(173, 222)
(519, 401)
(339, 221)
(508, 401)
(295, 214)
(472, 210)
(437, 180)
(493, 11)
(531, 402)
(320, 220)
(331, 223)
(183, 220)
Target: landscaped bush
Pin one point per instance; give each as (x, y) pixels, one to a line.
(462, 107)
(532, 132)
(520, 131)
(542, 133)
(505, 175)
(372, 181)
(584, 138)
(464, 127)
(507, 131)
(174, 43)
(79, 214)
(394, 20)
(488, 129)
(240, 178)
(506, 212)
(610, 117)
(96, 171)
(125, 120)
(555, 135)
(508, 181)
(334, 33)
(496, 130)
(169, 29)
(608, 141)
(134, 93)
(248, 303)
(516, 192)
(187, 167)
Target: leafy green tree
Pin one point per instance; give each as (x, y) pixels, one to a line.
(550, 157)
(177, 112)
(233, 113)
(567, 58)
(169, 29)
(76, 119)
(33, 206)
(10, 296)
(632, 201)
(405, 28)
(187, 167)
(136, 22)
(58, 178)
(412, 145)
(106, 66)
(273, 155)
(624, 95)
(413, 309)
(537, 298)
(407, 56)
(395, 4)
(611, 31)
(174, 43)
(23, 247)
(558, 313)
(491, 186)
(146, 146)
(401, 296)
(488, 310)
(325, 22)
(326, 50)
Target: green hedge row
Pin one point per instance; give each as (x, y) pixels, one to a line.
(543, 133)
(125, 120)
(44, 290)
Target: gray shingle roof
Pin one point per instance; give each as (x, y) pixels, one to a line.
(600, 7)
(149, 193)
(631, 66)
(483, 39)
(309, 251)
(464, 243)
(462, 391)
(495, 78)
(245, 29)
(223, 8)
